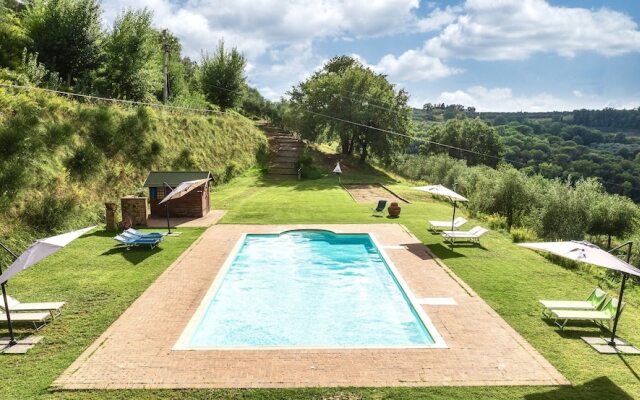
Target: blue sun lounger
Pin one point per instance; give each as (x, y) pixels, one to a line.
(144, 234)
(133, 241)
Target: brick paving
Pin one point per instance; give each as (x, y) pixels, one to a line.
(136, 351)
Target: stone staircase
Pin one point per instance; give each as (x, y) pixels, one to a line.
(285, 151)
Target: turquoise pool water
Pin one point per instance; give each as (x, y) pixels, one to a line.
(308, 289)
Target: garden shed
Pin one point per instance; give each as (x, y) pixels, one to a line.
(194, 204)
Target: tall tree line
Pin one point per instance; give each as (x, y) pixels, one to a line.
(61, 44)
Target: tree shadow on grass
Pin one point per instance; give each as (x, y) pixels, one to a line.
(599, 388)
(135, 255)
(444, 252)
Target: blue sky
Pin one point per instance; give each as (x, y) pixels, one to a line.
(496, 55)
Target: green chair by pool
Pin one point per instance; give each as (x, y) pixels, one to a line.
(594, 301)
(600, 317)
(379, 210)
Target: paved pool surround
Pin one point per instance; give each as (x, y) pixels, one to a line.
(137, 350)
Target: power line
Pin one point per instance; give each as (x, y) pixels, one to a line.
(424, 140)
(107, 99)
(499, 158)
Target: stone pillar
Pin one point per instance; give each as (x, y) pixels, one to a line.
(111, 216)
(136, 208)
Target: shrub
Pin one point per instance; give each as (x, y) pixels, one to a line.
(58, 134)
(155, 148)
(185, 160)
(496, 222)
(12, 177)
(51, 213)
(308, 168)
(519, 235)
(84, 162)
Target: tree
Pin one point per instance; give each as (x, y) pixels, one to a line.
(13, 38)
(511, 197)
(131, 70)
(222, 77)
(348, 102)
(481, 139)
(613, 215)
(66, 35)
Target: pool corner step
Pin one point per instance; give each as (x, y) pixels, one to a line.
(437, 301)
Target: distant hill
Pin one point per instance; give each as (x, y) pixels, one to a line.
(581, 143)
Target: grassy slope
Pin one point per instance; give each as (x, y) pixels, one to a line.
(128, 142)
(510, 279)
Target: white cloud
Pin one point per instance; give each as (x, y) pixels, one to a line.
(255, 26)
(437, 19)
(516, 29)
(413, 66)
(503, 99)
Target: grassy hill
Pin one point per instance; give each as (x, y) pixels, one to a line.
(60, 160)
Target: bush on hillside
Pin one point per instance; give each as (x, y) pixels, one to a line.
(84, 162)
(51, 213)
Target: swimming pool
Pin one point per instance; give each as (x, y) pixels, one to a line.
(308, 289)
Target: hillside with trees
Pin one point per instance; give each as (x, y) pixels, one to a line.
(63, 156)
(569, 145)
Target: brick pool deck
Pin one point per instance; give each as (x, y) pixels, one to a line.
(136, 351)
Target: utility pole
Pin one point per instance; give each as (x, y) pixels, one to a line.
(165, 66)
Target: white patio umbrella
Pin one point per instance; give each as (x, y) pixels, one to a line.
(182, 189)
(337, 170)
(443, 191)
(38, 250)
(591, 254)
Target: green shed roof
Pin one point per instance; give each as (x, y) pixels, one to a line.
(174, 178)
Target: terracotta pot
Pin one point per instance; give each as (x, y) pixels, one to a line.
(394, 210)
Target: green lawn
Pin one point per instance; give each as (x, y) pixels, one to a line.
(99, 287)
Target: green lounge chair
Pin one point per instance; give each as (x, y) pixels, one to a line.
(379, 210)
(594, 302)
(600, 317)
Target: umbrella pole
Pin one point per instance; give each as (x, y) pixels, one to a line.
(166, 206)
(12, 340)
(615, 321)
(453, 219)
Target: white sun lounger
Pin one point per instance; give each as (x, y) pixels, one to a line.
(594, 302)
(54, 308)
(472, 235)
(38, 319)
(438, 225)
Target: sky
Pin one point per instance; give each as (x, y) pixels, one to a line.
(495, 55)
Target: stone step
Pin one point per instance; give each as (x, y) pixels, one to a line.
(285, 159)
(283, 171)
